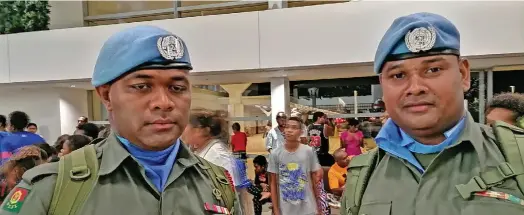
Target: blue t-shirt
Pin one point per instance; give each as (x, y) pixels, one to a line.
(11, 143)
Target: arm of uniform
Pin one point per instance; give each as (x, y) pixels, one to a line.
(237, 205)
(32, 196)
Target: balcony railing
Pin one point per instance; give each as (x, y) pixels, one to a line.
(181, 9)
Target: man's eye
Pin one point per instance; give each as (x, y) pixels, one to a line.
(398, 76)
(434, 69)
(140, 86)
(178, 88)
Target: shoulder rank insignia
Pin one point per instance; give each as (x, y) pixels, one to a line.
(14, 204)
(216, 209)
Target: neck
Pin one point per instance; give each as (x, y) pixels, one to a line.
(292, 144)
(203, 146)
(431, 140)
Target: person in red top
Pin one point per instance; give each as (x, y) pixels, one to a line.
(238, 142)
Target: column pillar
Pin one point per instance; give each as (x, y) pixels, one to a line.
(482, 96)
(235, 108)
(279, 97)
(276, 4)
(489, 86)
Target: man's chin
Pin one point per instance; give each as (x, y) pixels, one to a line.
(159, 141)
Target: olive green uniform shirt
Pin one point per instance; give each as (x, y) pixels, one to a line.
(123, 187)
(397, 188)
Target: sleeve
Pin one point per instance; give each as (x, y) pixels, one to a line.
(237, 205)
(269, 140)
(5, 150)
(314, 165)
(360, 135)
(333, 180)
(273, 163)
(26, 199)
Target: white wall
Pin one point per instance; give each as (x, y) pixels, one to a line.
(345, 33)
(66, 14)
(54, 110)
(40, 104)
(73, 104)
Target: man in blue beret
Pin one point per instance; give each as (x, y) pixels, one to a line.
(432, 158)
(142, 167)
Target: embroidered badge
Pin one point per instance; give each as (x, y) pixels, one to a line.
(230, 179)
(421, 39)
(170, 47)
(501, 195)
(14, 204)
(215, 208)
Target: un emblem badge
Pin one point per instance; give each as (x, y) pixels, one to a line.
(421, 39)
(170, 47)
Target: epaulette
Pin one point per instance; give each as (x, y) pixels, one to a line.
(36, 174)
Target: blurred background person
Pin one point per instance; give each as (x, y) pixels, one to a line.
(12, 170)
(49, 150)
(73, 143)
(238, 142)
(352, 138)
(204, 134)
(260, 189)
(506, 107)
(32, 127)
(18, 138)
(88, 129)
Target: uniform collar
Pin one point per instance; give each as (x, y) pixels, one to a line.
(392, 140)
(114, 155)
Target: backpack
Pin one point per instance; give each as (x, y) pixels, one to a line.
(78, 174)
(509, 139)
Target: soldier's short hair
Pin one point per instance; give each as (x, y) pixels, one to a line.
(510, 101)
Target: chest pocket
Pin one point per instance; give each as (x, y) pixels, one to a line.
(492, 207)
(379, 208)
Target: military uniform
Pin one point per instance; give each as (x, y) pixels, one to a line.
(452, 181)
(123, 187)
(118, 183)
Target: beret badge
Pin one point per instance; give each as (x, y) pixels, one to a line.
(420, 39)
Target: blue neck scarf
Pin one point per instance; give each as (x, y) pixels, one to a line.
(157, 164)
(395, 141)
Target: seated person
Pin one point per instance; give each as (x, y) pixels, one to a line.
(260, 190)
(337, 172)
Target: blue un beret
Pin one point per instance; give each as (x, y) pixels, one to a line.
(140, 47)
(417, 35)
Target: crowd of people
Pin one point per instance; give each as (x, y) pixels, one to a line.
(159, 156)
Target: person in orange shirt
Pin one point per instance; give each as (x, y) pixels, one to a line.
(337, 172)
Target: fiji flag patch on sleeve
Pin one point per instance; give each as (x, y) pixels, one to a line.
(15, 202)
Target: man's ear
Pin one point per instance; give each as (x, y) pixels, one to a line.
(103, 93)
(465, 73)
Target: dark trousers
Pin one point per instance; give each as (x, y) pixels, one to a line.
(256, 191)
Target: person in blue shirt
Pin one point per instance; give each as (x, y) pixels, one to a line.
(19, 137)
(3, 126)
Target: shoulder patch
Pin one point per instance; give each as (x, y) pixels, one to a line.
(37, 173)
(15, 202)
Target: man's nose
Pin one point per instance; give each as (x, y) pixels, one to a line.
(416, 86)
(161, 100)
